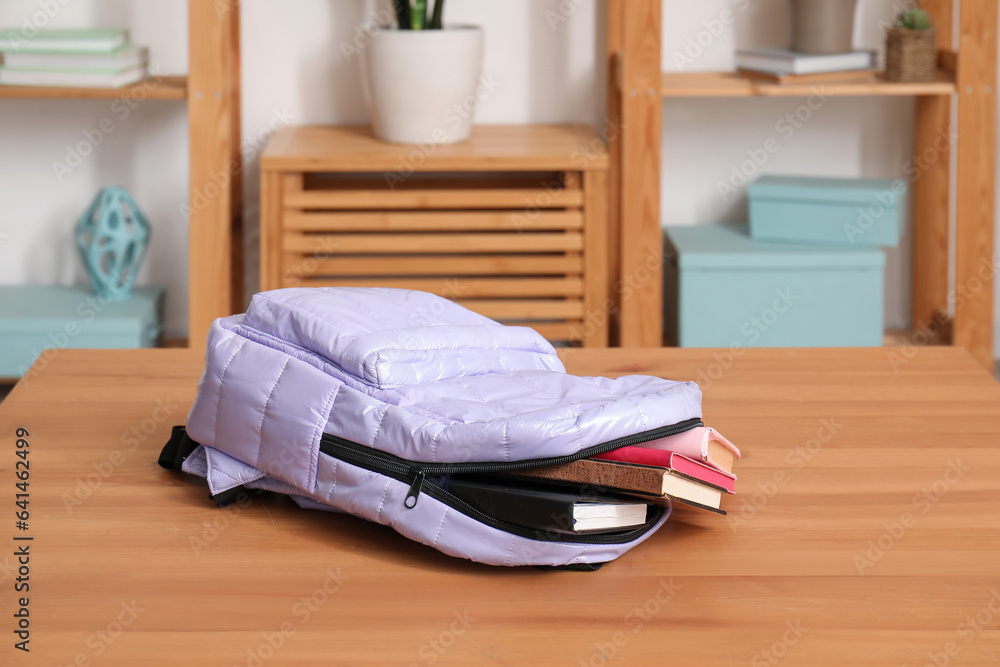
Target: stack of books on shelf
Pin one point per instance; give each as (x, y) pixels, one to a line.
(612, 491)
(790, 67)
(71, 59)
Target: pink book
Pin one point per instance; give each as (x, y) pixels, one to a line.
(702, 444)
(672, 461)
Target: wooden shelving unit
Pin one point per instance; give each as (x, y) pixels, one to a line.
(211, 90)
(968, 72)
(635, 97)
(160, 88)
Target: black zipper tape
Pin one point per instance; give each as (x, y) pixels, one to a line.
(415, 473)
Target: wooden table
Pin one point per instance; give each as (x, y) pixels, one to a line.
(867, 530)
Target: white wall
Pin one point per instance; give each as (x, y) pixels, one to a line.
(294, 70)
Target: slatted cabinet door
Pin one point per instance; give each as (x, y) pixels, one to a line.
(523, 246)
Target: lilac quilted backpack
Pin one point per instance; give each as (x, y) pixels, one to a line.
(363, 400)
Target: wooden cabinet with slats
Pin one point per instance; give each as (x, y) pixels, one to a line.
(512, 223)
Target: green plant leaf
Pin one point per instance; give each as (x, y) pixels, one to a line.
(914, 19)
(436, 23)
(419, 17)
(402, 13)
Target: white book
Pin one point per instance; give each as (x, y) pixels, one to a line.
(122, 59)
(589, 516)
(78, 79)
(792, 62)
(63, 41)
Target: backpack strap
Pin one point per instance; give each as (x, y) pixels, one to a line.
(574, 567)
(177, 449)
(175, 452)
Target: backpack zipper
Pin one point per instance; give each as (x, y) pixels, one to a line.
(415, 473)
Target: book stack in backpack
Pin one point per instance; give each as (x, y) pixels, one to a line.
(695, 468)
(71, 59)
(610, 491)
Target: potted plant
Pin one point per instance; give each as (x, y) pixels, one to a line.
(420, 80)
(911, 48)
(823, 26)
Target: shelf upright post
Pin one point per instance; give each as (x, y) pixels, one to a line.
(613, 137)
(931, 172)
(975, 267)
(214, 209)
(638, 286)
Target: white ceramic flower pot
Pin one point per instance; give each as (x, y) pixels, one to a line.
(422, 86)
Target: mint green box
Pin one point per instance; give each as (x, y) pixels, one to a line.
(724, 289)
(863, 212)
(43, 319)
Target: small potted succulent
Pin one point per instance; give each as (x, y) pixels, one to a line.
(823, 26)
(911, 48)
(420, 79)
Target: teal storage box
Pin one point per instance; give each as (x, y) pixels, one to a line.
(38, 320)
(723, 289)
(836, 211)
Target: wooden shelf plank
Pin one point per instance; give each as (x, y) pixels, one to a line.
(162, 88)
(915, 337)
(470, 288)
(525, 309)
(435, 221)
(408, 244)
(353, 148)
(905, 338)
(567, 331)
(467, 198)
(436, 265)
(728, 84)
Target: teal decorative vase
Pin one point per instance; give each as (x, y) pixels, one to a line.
(113, 237)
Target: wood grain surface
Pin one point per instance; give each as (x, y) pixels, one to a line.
(213, 211)
(154, 88)
(729, 84)
(932, 190)
(353, 148)
(866, 530)
(975, 205)
(639, 287)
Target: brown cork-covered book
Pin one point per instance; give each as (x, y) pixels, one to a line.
(648, 481)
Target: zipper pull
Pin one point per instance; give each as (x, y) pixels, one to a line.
(411, 498)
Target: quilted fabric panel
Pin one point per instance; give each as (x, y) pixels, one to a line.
(261, 407)
(222, 472)
(390, 338)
